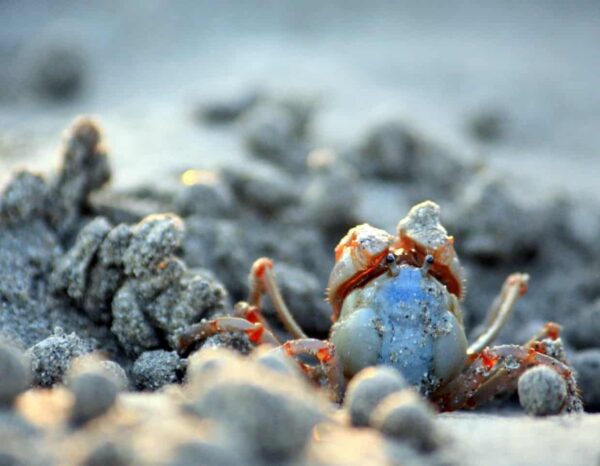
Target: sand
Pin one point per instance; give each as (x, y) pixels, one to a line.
(513, 88)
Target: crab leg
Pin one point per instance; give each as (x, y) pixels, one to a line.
(252, 314)
(497, 370)
(514, 287)
(262, 281)
(324, 352)
(256, 332)
(550, 330)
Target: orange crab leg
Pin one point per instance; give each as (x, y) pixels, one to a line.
(550, 330)
(252, 314)
(514, 287)
(324, 352)
(256, 332)
(497, 370)
(262, 281)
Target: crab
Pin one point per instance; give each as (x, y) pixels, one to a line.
(395, 301)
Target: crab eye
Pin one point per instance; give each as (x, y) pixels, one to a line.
(390, 258)
(427, 263)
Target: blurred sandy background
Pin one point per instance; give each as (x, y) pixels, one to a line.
(531, 68)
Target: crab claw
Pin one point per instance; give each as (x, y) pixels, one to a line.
(422, 232)
(358, 257)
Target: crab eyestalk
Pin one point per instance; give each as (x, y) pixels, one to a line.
(392, 264)
(427, 264)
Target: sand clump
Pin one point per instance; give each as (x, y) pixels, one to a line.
(58, 72)
(407, 417)
(155, 369)
(227, 110)
(15, 374)
(542, 391)
(51, 357)
(94, 395)
(74, 283)
(231, 410)
(368, 388)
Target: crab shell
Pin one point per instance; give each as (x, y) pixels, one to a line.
(359, 257)
(409, 319)
(422, 233)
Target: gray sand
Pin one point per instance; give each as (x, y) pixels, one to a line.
(518, 440)
(491, 111)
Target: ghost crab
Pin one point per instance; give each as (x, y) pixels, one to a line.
(395, 301)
